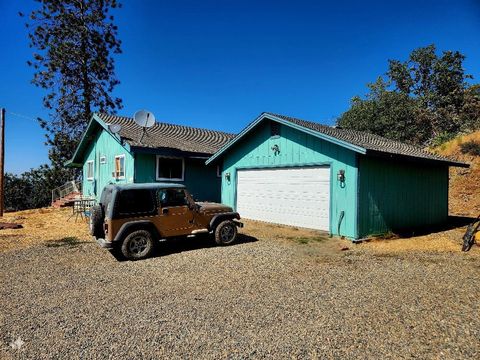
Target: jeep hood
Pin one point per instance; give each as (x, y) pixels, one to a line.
(208, 207)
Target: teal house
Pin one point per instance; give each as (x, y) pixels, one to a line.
(115, 150)
(289, 171)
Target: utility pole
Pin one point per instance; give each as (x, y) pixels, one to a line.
(2, 158)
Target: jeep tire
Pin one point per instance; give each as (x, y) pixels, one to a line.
(96, 221)
(225, 232)
(137, 245)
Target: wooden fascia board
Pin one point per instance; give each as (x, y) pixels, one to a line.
(263, 116)
(73, 162)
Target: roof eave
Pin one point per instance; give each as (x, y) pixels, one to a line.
(167, 151)
(74, 161)
(263, 116)
(445, 162)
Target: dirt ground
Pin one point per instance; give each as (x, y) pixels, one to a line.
(278, 292)
(46, 225)
(54, 227)
(464, 191)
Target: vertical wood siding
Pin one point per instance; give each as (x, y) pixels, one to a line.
(296, 149)
(104, 144)
(395, 196)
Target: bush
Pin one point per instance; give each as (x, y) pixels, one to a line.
(32, 189)
(442, 138)
(470, 147)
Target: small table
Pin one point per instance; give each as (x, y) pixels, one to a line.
(81, 206)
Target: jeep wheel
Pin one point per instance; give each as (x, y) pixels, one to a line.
(137, 245)
(96, 221)
(225, 233)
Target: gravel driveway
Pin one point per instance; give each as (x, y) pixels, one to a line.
(257, 299)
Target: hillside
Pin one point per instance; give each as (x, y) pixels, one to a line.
(464, 194)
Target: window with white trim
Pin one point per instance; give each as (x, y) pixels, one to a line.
(119, 172)
(170, 168)
(90, 169)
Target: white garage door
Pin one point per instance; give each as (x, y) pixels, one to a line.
(290, 196)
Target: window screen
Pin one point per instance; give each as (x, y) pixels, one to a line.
(169, 168)
(132, 202)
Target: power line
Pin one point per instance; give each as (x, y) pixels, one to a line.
(21, 116)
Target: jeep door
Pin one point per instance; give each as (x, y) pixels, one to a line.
(175, 217)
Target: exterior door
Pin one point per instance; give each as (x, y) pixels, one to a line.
(291, 196)
(175, 215)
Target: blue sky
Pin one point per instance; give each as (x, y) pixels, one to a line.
(218, 64)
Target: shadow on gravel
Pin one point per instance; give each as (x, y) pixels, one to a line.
(452, 222)
(69, 242)
(178, 245)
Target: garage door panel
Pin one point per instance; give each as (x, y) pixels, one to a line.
(293, 196)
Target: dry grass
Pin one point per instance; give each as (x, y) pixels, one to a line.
(310, 242)
(46, 225)
(52, 228)
(449, 241)
(464, 194)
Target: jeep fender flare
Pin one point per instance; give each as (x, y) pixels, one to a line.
(136, 225)
(217, 219)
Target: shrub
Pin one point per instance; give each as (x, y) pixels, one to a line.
(442, 138)
(471, 147)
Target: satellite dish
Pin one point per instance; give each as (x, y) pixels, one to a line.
(144, 118)
(114, 128)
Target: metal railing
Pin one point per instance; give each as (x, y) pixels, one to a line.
(67, 188)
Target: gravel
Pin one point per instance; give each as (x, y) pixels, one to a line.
(257, 299)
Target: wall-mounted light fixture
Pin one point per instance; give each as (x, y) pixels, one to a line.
(341, 177)
(227, 176)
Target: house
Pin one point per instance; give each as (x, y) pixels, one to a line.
(289, 171)
(114, 149)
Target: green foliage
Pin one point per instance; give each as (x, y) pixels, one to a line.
(442, 138)
(470, 147)
(73, 41)
(32, 189)
(386, 113)
(422, 100)
(15, 191)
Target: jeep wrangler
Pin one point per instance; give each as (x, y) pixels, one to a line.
(131, 218)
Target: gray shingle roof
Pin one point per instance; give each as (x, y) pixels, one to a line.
(372, 143)
(163, 135)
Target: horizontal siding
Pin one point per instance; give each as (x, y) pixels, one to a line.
(398, 196)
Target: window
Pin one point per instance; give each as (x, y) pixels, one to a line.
(103, 159)
(170, 168)
(172, 197)
(274, 129)
(119, 172)
(139, 201)
(90, 170)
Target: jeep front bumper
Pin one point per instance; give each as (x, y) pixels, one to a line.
(104, 243)
(238, 223)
